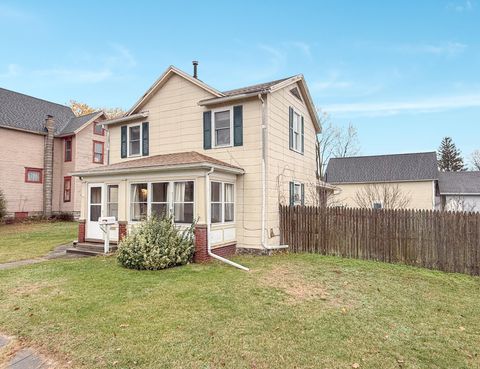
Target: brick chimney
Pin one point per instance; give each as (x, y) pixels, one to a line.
(48, 167)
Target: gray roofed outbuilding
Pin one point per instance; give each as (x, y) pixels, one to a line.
(459, 183)
(383, 168)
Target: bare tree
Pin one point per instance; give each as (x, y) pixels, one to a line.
(475, 160)
(321, 194)
(389, 196)
(335, 142)
(459, 203)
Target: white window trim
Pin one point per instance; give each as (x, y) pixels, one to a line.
(299, 149)
(299, 202)
(230, 109)
(128, 141)
(170, 198)
(222, 202)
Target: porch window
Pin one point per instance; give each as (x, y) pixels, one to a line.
(98, 152)
(68, 149)
(112, 201)
(216, 202)
(67, 189)
(139, 202)
(159, 201)
(222, 124)
(134, 140)
(183, 202)
(222, 202)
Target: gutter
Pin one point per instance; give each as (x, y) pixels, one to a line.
(264, 179)
(125, 119)
(204, 165)
(209, 246)
(226, 99)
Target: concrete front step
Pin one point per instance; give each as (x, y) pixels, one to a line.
(89, 249)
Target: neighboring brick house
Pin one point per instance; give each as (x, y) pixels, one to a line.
(225, 159)
(41, 144)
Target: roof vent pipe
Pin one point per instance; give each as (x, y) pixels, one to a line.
(195, 65)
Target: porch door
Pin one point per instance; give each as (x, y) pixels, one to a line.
(95, 210)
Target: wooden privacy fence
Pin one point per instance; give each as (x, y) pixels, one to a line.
(432, 239)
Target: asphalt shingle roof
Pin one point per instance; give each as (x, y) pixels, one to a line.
(164, 160)
(383, 168)
(29, 113)
(253, 88)
(459, 182)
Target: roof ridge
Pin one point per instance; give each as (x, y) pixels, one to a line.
(36, 98)
(275, 81)
(385, 155)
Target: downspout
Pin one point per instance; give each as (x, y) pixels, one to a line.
(209, 247)
(264, 179)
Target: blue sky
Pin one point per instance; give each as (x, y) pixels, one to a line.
(405, 73)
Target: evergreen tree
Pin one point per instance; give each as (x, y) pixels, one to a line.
(449, 157)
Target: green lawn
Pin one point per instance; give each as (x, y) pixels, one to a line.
(29, 240)
(290, 311)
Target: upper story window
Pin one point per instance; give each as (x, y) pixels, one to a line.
(222, 202)
(296, 131)
(98, 128)
(68, 149)
(222, 128)
(33, 175)
(98, 152)
(134, 140)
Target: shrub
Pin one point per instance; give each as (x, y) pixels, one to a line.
(63, 217)
(3, 205)
(156, 244)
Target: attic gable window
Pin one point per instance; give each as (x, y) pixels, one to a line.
(98, 129)
(222, 128)
(294, 91)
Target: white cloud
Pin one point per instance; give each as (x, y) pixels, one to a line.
(302, 46)
(460, 7)
(398, 107)
(13, 70)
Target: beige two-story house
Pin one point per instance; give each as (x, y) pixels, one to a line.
(41, 144)
(223, 159)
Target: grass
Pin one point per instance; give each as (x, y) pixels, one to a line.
(289, 311)
(29, 240)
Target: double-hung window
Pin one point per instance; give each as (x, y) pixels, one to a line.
(222, 202)
(112, 201)
(33, 175)
(67, 189)
(297, 193)
(297, 134)
(134, 140)
(98, 152)
(68, 149)
(222, 128)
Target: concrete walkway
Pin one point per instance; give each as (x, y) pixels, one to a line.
(58, 253)
(23, 358)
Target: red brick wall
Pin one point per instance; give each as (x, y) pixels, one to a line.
(81, 230)
(122, 230)
(201, 252)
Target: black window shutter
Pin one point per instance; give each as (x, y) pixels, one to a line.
(290, 125)
(123, 145)
(292, 193)
(303, 138)
(238, 125)
(145, 139)
(207, 130)
(303, 194)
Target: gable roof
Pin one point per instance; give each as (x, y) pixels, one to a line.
(75, 123)
(459, 183)
(28, 113)
(383, 168)
(219, 97)
(164, 161)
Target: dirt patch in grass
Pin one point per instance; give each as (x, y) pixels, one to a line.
(28, 289)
